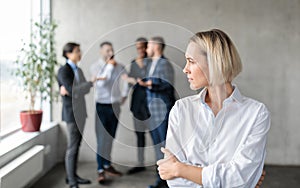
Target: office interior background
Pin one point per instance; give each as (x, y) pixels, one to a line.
(265, 32)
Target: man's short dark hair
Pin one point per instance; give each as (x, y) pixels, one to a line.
(142, 40)
(105, 43)
(68, 48)
(160, 41)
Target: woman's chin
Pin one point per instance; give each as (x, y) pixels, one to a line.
(193, 87)
(198, 86)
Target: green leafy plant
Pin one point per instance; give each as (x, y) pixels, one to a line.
(37, 61)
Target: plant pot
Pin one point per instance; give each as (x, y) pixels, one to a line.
(31, 120)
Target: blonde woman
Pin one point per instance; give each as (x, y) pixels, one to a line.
(218, 137)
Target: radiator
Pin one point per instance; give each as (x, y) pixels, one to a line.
(19, 172)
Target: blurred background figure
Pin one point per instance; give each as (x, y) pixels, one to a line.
(108, 97)
(138, 104)
(160, 96)
(73, 87)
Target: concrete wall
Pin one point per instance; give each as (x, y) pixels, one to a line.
(266, 33)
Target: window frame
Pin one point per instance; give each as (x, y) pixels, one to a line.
(39, 11)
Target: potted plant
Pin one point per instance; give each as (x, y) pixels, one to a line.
(36, 71)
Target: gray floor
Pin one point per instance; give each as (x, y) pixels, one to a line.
(277, 177)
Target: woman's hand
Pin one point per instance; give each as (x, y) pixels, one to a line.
(260, 181)
(168, 168)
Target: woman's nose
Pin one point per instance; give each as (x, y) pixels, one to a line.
(185, 69)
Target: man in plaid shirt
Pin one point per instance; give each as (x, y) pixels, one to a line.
(160, 96)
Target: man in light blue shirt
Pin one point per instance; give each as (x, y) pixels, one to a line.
(110, 93)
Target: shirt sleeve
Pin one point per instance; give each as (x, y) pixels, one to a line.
(173, 138)
(173, 142)
(94, 69)
(74, 90)
(125, 88)
(124, 84)
(246, 165)
(131, 70)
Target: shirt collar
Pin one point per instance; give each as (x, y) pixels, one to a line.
(73, 65)
(155, 61)
(235, 96)
(202, 95)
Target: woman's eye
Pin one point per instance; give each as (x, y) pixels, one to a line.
(190, 61)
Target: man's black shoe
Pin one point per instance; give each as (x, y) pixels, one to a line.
(135, 170)
(80, 180)
(74, 186)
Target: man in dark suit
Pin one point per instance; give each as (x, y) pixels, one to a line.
(160, 96)
(73, 87)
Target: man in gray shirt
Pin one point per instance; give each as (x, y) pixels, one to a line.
(109, 95)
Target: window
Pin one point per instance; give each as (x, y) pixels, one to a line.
(15, 19)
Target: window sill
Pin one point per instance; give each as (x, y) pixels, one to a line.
(13, 142)
(7, 133)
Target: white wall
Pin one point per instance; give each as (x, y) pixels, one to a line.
(266, 33)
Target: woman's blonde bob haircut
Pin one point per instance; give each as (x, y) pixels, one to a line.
(224, 62)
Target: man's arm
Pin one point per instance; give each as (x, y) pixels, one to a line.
(85, 86)
(162, 83)
(65, 80)
(124, 85)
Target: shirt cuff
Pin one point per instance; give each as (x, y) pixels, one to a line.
(124, 95)
(207, 176)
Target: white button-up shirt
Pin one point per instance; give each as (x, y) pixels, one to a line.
(231, 146)
(153, 66)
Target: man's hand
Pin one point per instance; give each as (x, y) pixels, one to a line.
(123, 100)
(260, 181)
(63, 91)
(94, 79)
(112, 61)
(128, 79)
(101, 78)
(145, 84)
